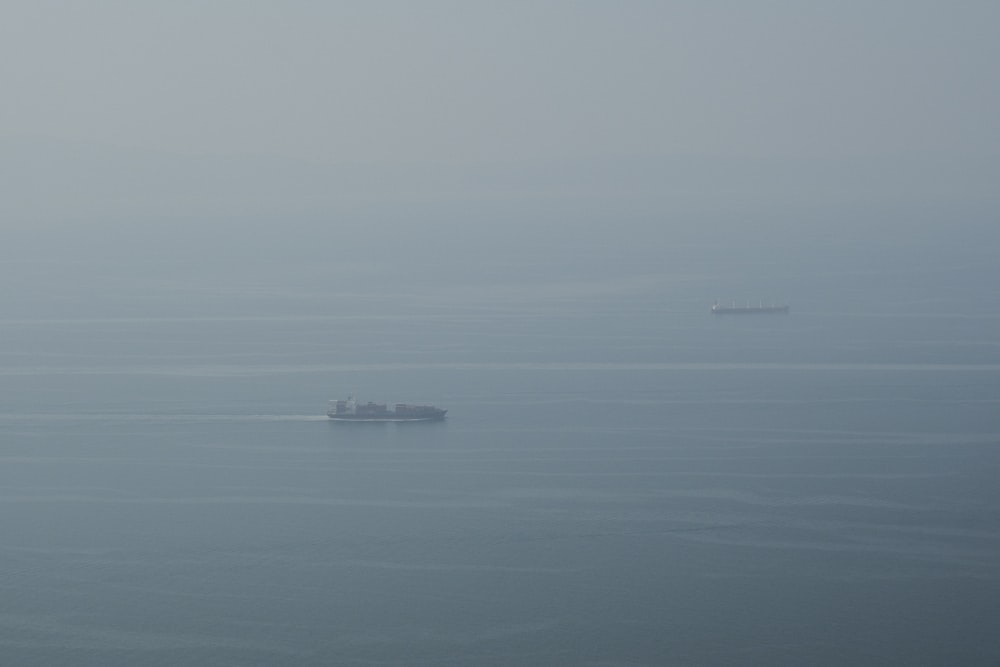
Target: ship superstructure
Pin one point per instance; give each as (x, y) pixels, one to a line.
(350, 409)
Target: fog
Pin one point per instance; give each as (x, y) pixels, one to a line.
(216, 216)
(449, 82)
(200, 132)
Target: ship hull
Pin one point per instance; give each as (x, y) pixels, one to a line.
(750, 311)
(348, 418)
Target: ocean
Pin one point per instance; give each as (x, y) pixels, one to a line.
(622, 479)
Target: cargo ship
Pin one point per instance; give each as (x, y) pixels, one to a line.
(350, 410)
(748, 309)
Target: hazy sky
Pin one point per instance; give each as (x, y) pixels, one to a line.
(438, 81)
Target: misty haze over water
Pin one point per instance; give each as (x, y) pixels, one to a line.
(531, 238)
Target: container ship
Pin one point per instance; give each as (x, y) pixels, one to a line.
(353, 411)
(748, 309)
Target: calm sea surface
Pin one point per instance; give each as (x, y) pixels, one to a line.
(623, 479)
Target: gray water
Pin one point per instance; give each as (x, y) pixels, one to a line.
(623, 478)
